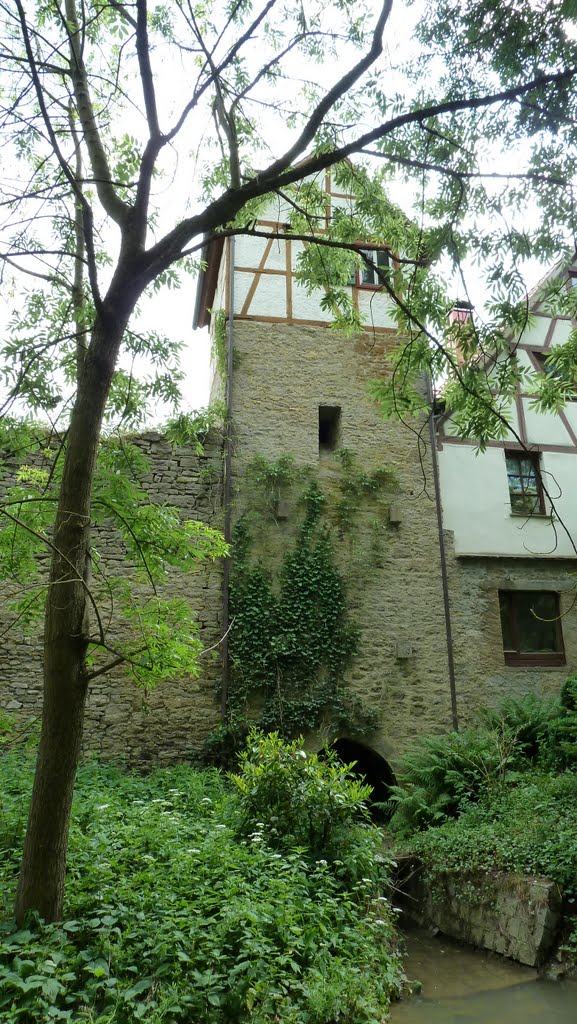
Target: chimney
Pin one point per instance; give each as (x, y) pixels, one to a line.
(461, 313)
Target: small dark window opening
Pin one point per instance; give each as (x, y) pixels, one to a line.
(329, 427)
(531, 627)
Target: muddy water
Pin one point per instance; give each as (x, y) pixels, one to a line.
(463, 986)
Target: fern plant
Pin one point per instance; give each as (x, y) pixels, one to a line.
(443, 774)
(530, 719)
(564, 727)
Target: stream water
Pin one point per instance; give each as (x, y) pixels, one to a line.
(465, 986)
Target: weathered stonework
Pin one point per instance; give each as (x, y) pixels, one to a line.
(482, 677)
(283, 375)
(390, 559)
(123, 721)
(515, 915)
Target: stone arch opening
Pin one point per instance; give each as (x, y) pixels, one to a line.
(371, 768)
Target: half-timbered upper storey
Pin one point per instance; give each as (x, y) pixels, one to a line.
(265, 284)
(519, 497)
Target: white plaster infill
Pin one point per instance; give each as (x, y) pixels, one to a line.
(477, 505)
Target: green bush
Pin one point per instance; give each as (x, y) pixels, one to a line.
(443, 774)
(300, 800)
(564, 727)
(172, 918)
(544, 728)
(529, 720)
(531, 827)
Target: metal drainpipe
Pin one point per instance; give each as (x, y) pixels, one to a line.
(227, 492)
(443, 556)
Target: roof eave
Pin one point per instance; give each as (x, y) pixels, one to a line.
(211, 257)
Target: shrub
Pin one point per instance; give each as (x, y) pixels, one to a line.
(531, 827)
(564, 727)
(442, 775)
(170, 918)
(300, 800)
(528, 720)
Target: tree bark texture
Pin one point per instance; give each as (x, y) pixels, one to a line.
(42, 875)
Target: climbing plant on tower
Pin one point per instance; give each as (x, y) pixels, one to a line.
(292, 636)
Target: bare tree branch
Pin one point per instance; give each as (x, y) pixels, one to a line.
(115, 207)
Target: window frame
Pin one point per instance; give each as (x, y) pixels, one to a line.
(358, 282)
(518, 657)
(535, 459)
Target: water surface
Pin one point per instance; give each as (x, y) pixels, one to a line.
(465, 986)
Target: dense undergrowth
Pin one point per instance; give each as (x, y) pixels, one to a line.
(192, 898)
(501, 795)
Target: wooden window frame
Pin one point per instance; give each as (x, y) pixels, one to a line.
(534, 458)
(366, 285)
(522, 658)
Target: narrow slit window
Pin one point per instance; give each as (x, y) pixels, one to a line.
(329, 427)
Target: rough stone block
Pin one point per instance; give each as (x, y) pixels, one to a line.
(515, 915)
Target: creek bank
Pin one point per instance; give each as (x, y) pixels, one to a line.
(516, 915)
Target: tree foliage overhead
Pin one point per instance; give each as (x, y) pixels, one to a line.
(108, 157)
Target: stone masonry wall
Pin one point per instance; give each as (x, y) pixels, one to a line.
(391, 562)
(122, 721)
(515, 915)
(283, 374)
(482, 677)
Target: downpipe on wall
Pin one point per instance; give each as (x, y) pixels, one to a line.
(227, 495)
(443, 557)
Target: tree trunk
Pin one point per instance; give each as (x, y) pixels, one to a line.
(42, 875)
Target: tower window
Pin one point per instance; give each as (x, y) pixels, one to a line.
(329, 427)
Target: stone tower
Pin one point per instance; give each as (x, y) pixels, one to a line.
(299, 389)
